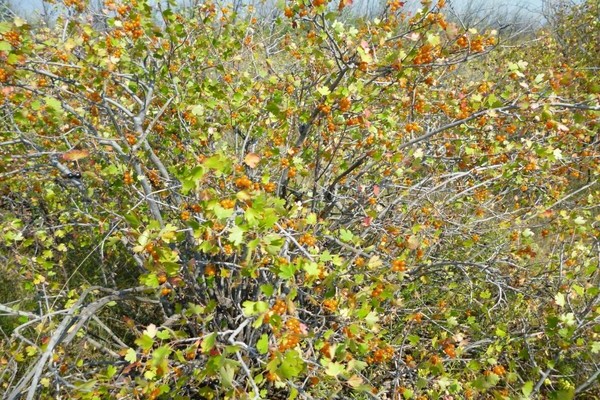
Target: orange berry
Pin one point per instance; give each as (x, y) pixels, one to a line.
(210, 270)
(344, 104)
(398, 265)
(330, 304)
(499, 370)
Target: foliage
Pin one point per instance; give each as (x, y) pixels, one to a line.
(198, 204)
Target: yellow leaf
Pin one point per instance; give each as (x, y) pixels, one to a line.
(374, 262)
(354, 381)
(74, 155)
(252, 160)
(412, 242)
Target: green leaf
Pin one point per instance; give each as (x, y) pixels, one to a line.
(223, 213)
(163, 335)
(371, 318)
(160, 356)
(311, 268)
(346, 235)
(287, 271)
(208, 342)
(565, 394)
(527, 388)
(145, 342)
(323, 90)
(227, 373)
(53, 103)
(5, 46)
(413, 339)
(133, 220)
(334, 369)
(236, 235)
(291, 365)
(273, 108)
(111, 370)
(218, 162)
(263, 344)
(267, 289)
(131, 356)
(252, 308)
(150, 280)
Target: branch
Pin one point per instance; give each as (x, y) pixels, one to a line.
(18, 313)
(452, 125)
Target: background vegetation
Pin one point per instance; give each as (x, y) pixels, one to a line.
(205, 203)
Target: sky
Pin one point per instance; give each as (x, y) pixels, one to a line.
(32, 5)
(516, 13)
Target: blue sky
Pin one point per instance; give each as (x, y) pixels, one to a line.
(529, 4)
(531, 8)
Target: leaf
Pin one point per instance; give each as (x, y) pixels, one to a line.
(145, 342)
(251, 308)
(227, 373)
(291, 365)
(19, 22)
(218, 162)
(151, 330)
(432, 39)
(5, 46)
(565, 394)
(334, 369)
(111, 370)
(527, 233)
(287, 271)
(371, 318)
(263, 344)
(355, 381)
(252, 160)
(267, 289)
(346, 235)
(374, 262)
(53, 103)
(164, 334)
(236, 235)
(208, 342)
(376, 190)
(311, 268)
(527, 388)
(323, 90)
(150, 280)
(160, 356)
(418, 154)
(560, 299)
(413, 242)
(343, 4)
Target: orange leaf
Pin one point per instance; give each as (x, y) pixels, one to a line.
(344, 3)
(252, 160)
(74, 155)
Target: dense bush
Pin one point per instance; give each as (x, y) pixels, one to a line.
(202, 204)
